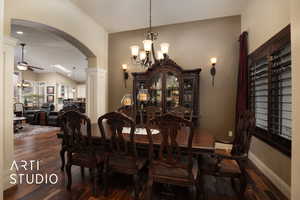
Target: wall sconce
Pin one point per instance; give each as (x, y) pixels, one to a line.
(125, 73)
(213, 71)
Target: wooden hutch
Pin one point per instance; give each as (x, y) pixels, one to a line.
(168, 86)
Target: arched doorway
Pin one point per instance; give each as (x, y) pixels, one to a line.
(96, 103)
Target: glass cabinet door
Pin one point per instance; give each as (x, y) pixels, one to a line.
(172, 91)
(188, 88)
(155, 90)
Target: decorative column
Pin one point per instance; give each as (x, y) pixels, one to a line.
(8, 136)
(1, 96)
(96, 93)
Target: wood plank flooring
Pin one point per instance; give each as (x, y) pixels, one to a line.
(45, 147)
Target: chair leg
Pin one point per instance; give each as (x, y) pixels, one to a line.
(69, 174)
(136, 186)
(149, 189)
(82, 171)
(105, 179)
(194, 192)
(62, 157)
(243, 181)
(93, 175)
(201, 192)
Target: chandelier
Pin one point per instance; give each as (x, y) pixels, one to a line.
(147, 56)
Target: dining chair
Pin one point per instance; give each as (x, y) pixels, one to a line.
(152, 112)
(231, 163)
(81, 152)
(172, 165)
(183, 112)
(67, 108)
(127, 110)
(122, 153)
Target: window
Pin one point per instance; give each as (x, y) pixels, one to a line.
(270, 92)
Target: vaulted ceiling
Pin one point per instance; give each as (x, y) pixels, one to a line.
(45, 49)
(123, 15)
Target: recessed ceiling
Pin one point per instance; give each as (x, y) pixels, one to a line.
(123, 15)
(45, 49)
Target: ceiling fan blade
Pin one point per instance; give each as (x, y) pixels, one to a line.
(29, 66)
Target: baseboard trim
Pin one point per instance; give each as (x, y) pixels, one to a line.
(274, 178)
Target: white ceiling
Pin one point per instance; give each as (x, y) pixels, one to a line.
(45, 49)
(123, 15)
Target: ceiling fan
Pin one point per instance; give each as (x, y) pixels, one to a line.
(23, 65)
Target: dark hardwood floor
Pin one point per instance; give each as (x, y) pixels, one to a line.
(45, 147)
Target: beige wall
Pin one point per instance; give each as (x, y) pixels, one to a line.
(295, 17)
(263, 19)
(192, 46)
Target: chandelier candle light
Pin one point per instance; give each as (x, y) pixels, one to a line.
(146, 57)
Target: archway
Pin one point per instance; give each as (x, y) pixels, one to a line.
(95, 92)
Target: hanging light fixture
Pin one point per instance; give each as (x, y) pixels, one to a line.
(146, 56)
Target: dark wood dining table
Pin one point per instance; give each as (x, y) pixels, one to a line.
(203, 142)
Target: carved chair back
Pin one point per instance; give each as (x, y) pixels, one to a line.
(119, 145)
(183, 112)
(170, 154)
(77, 131)
(127, 110)
(245, 129)
(152, 112)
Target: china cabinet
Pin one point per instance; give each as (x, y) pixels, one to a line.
(168, 86)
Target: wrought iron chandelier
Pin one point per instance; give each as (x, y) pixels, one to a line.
(147, 56)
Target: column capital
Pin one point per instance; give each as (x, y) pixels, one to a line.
(91, 70)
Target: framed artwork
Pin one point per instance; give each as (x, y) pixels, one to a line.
(50, 89)
(50, 99)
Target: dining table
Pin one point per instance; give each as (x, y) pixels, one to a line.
(203, 141)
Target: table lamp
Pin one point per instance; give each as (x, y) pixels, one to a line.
(127, 100)
(142, 97)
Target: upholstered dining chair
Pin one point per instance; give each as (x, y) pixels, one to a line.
(183, 112)
(231, 164)
(172, 166)
(122, 153)
(81, 152)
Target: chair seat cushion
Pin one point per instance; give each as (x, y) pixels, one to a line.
(226, 166)
(125, 162)
(161, 171)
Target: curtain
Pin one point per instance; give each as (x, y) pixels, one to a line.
(242, 85)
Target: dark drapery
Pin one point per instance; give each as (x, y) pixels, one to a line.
(242, 85)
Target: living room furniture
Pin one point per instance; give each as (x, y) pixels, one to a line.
(231, 164)
(19, 109)
(80, 151)
(17, 122)
(172, 165)
(123, 155)
(168, 86)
